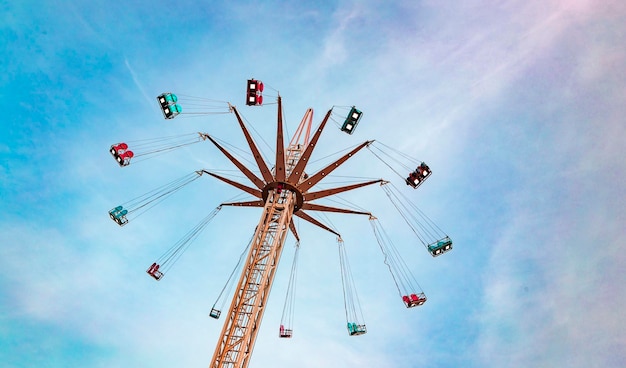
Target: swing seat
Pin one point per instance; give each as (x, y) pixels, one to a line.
(171, 111)
(356, 329)
(166, 99)
(215, 313)
(157, 275)
(168, 104)
(122, 220)
(284, 332)
(417, 177)
(351, 121)
(118, 148)
(406, 300)
(418, 299)
(254, 85)
(251, 101)
(154, 272)
(115, 211)
(118, 214)
(255, 98)
(413, 181)
(122, 156)
(414, 300)
(441, 246)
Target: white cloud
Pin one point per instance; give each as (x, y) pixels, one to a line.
(138, 84)
(431, 83)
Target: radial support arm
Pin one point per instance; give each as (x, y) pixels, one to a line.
(292, 227)
(245, 204)
(310, 219)
(311, 181)
(319, 207)
(265, 171)
(254, 192)
(328, 192)
(249, 174)
(280, 147)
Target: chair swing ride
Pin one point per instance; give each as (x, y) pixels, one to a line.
(282, 191)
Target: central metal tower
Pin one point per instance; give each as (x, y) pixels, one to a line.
(282, 193)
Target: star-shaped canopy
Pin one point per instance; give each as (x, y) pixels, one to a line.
(291, 177)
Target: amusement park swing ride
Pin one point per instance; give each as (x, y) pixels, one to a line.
(282, 191)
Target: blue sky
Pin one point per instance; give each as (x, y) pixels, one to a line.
(517, 106)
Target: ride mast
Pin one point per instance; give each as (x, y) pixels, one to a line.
(282, 193)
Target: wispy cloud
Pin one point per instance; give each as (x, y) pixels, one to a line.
(138, 84)
(520, 106)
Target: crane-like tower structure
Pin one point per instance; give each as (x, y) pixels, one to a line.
(282, 192)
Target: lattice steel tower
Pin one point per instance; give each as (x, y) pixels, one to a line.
(282, 192)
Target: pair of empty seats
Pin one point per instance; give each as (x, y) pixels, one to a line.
(154, 271)
(352, 120)
(440, 247)
(121, 153)
(285, 332)
(168, 104)
(118, 214)
(418, 176)
(215, 313)
(254, 94)
(356, 329)
(414, 300)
